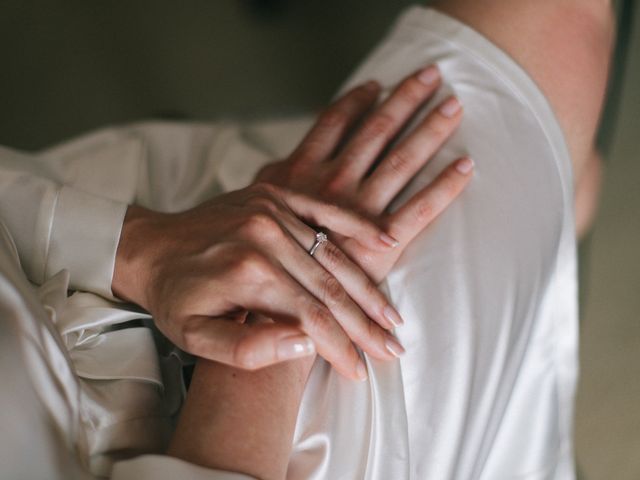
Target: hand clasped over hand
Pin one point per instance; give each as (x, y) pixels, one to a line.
(344, 160)
(199, 272)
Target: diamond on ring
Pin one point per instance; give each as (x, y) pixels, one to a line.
(321, 238)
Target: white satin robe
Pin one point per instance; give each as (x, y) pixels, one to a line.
(488, 292)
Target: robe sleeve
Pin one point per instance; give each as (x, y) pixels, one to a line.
(57, 225)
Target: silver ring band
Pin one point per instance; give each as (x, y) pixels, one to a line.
(321, 238)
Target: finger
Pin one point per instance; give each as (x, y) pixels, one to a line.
(246, 346)
(359, 287)
(333, 124)
(300, 278)
(304, 269)
(407, 158)
(287, 206)
(427, 204)
(339, 220)
(354, 300)
(356, 283)
(382, 125)
(272, 291)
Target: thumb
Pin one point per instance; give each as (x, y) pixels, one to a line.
(248, 346)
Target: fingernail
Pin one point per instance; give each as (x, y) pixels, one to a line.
(390, 241)
(429, 75)
(465, 165)
(394, 347)
(393, 316)
(450, 107)
(371, 86)
(361, 371)
(295, 347)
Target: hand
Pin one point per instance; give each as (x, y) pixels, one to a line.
(357, 174)
(200, 271)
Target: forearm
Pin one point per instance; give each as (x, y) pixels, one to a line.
(241, 421)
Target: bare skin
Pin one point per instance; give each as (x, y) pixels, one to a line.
(263, 405)
(195, 281)
(239, 420)
(565, 46)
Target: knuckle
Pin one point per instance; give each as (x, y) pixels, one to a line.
(333, 258)
(335, 117)
(380, 124)
(424, 211)
(265, 188)
(319, 320)
(250, 266)
(261, 224)
(438, 127)
(339, 182)
(411, 92)
(265, 203)
(332, 291)
(300, 168)
(449, 187)
(369, 261)
(399, 161)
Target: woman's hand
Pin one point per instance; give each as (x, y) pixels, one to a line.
(200, 271)
(353, 170)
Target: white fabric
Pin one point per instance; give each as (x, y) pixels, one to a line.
(488, 293)
(93, 381)
(486, 388)
(66, 197)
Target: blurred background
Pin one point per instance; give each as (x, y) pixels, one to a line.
(71, 66)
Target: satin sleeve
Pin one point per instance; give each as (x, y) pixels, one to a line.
(57, 226)
(65, 207)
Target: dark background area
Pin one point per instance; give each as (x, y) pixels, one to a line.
(70, 66)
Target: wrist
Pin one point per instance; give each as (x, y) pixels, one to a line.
(138, 246)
